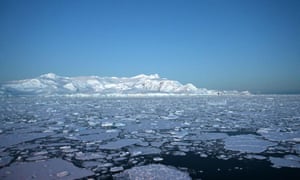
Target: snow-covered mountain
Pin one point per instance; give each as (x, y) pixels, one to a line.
(140, 85)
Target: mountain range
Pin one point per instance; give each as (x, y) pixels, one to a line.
(140, 85)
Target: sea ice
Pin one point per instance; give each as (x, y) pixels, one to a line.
(116, 169)
(89, 156)
(98, 133)
(107, 124)
(119, 144)
(5, 160)
(280, 136)
(207, 136)
(179, 134)
(247, 143)
(153, 171)
(217, 102)
(49, 169)
(287, 161)
(90, 164)
(98, 137)
(13, 139)
(178, 153)
(135, 151)
(253, 156)
(157, 143)
(157, 159)
(36, 158)
(297, 148)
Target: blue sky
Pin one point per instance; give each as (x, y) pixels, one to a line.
(243, 44)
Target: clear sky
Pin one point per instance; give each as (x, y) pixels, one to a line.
(217, 44)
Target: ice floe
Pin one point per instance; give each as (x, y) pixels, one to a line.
(275, 135)
(89, 156)
(247, 143)
(287, 161)
(13, 139)
(97, 137)
(207, 136)
(5, 160)
(119, 144)
(49, 169)
(135, 151)
(153, 171)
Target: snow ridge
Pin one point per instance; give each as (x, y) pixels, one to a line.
(140, 85)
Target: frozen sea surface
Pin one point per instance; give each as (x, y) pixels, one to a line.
(49, 169)
(153, 171)
(208, 137)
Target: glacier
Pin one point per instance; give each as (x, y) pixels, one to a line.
(136, 86)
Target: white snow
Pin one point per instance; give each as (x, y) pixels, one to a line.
(25, 85)
(140, 85)
(49, 76)
(143, 76)
(70, 87)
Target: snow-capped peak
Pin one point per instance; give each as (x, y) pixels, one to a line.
(143, 76)
(49, 76)
(141, 85)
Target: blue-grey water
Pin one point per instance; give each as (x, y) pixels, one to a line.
(207, 137)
